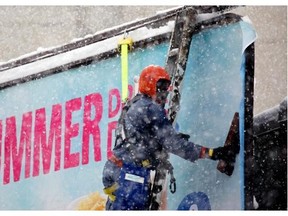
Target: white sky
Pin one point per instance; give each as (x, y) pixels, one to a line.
(144, 2)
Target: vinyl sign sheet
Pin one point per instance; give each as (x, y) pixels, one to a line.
(56, 132)
(212, 91)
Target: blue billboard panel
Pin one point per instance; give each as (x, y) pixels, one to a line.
(57, 132)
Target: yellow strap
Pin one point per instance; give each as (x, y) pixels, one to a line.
(110, 190)
(125, 44)
(124, 66)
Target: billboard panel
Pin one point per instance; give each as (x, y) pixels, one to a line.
(57, 131)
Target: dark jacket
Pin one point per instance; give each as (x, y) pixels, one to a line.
(149, 134)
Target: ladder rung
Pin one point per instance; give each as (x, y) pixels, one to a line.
(173, 52)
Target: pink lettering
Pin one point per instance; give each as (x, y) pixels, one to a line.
(38, 154)
(0, 143)
(71, 130)
(55, 134)
(111, 127)
(10, 143)
(91, 126)
(40, 140)
(112, 113)
(25, 137)
(11, 147)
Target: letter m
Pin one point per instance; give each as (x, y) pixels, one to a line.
(14, 152)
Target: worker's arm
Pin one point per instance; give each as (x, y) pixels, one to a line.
(176, 144)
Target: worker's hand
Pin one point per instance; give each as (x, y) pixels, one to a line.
(226, 153)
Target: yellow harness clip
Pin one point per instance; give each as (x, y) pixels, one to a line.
(145, 163)
(210, 153)
(125, 41)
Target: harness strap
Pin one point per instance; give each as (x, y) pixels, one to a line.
(116, 160)
(109, 191)
(120, 130)
(172, 185)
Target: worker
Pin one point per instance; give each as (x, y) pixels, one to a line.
(144, 138)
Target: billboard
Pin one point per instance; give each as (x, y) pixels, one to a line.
(58, 116)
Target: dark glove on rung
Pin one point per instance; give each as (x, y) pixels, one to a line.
(226, 153)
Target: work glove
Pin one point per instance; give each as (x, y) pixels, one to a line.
(226, 156)
(226, 153)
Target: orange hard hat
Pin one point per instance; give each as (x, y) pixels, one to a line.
(149, 77)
